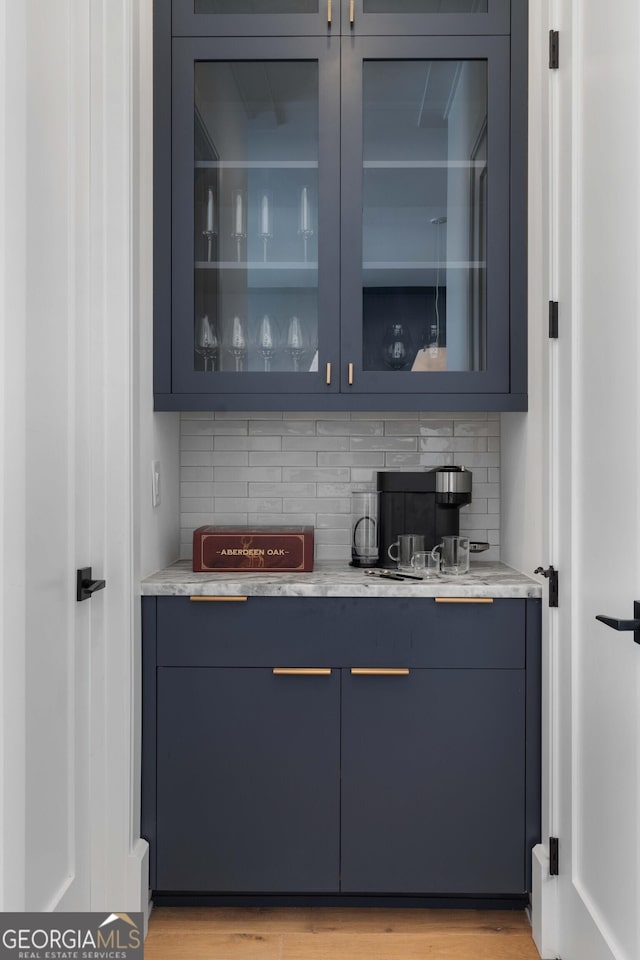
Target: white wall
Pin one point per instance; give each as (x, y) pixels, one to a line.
(524, 434)
(156, 434)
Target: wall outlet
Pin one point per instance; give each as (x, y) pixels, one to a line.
(155, 483)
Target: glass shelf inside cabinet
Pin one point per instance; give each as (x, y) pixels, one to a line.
(424, 213)
(256, 215)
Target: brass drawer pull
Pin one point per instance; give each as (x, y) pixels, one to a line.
(380, 671)
(350, 374)
(328, 374)
(464, 599)
(302, 671)
(218, 599)
(352, 12)
(329, 12)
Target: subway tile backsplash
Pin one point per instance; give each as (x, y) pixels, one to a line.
(300, 468)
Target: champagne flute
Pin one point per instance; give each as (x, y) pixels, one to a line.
(239, 215)
(305, 224)
(206, 341)
(266, 221)
(210, 222)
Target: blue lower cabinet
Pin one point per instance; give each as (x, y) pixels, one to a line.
(433, 782)
(248, 781)
(341, 748)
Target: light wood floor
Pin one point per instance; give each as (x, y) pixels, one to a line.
(316, 933)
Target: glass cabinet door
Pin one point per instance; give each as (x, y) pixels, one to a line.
(425, 216)
(426, 17)
(255, 216)
(252, 18)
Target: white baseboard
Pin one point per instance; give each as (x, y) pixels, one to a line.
(544, 905)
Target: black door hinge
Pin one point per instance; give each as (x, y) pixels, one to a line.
(554, 49)
(554, 864)
(553, 319)
(552, 576)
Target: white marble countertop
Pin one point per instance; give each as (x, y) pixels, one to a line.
(488, 579)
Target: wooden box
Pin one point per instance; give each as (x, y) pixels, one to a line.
(253, 550)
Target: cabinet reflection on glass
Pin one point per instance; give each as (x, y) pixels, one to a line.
(424, 215)
(256, 214)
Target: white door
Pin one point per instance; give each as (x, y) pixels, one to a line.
(597, 470)
(47, 463)
(69, 671)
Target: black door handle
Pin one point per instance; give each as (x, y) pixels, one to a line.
(86, 586)
(616, 624)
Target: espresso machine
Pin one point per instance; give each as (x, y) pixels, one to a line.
(426, 502)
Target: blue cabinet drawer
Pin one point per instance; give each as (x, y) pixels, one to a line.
(341, 632)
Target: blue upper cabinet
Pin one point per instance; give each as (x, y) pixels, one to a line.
(255, 198)
(340, 216)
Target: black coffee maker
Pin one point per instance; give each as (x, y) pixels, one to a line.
(426, 502)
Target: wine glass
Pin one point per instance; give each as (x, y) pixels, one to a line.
(206, 341)
(238, 343)
(295, 342)
(396, 347)
(266, 341)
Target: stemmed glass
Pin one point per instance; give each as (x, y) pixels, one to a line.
(238, 343)
(239, 215)
(266, 341)
(295, 342)
(305, 223)
(210, 223)
(206, 341)
(266, 221)
(396, 347)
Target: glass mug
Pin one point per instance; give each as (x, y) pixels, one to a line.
(453, 555)
(425, 565)
(407, 544)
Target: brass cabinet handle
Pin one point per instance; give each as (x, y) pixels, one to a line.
(350, 374)
(218, 599)
(464, 599)
(380, 671)
(302, 671)
(352, 12)
(328, 374)
(329, 12)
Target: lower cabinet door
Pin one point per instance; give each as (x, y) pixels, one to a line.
(248, 780)
(433, 782)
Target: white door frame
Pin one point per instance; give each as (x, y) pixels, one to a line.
(120, 856)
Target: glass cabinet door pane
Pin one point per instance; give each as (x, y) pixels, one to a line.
(256, 216)
(425, 6)
(256, 6)
(424, 215)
